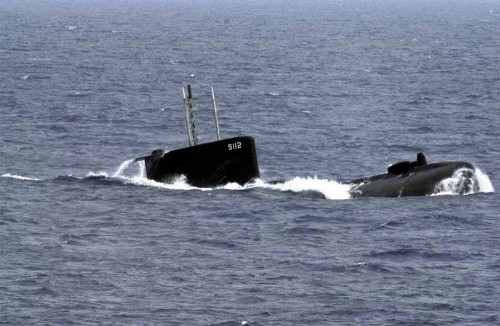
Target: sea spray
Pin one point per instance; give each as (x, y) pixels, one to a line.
(131, 172)
(329, 188)
(122, 168)
(484, 182)
(464, 182)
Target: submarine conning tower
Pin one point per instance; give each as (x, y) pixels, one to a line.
(208, 164)
(404, 167)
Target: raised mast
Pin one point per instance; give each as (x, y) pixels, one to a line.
(187, 100)
(189, 108)
(191, 116)
(188, 123)
(214, 105)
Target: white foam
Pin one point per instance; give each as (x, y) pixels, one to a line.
(178, 184)
(484, 182)
(18, 177)
(122, 168)
(235, 186)
(94, 175)
(462, 183)
(131, 172)
(127, 174)
(331, 189)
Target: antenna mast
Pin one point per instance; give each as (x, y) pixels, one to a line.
(189, 107)
(188, 123)
(214, 105)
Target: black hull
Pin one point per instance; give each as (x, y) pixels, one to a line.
(417, 181)
(207, 165)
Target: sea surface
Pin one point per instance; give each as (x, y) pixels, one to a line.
(331, 90)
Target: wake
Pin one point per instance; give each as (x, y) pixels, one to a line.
(130, 172)
(134, 173)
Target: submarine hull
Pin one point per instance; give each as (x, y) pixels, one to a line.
(418, 181)
(207, 165)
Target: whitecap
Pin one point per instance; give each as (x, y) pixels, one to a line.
(95, 175)
(18, 177)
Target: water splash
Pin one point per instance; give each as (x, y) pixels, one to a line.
(135, 173)
(484, 182)
(180, 183)
(330, 189)
(465, 182)
(122, 168)
(131, 172)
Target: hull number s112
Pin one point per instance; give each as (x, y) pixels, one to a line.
(234, 146)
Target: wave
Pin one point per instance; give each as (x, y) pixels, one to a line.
(18, 177)
(408, 253)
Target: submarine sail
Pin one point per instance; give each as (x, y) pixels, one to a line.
(205, 165)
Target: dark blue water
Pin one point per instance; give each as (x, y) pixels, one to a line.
(330, 90)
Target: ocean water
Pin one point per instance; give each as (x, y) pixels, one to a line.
(331, 90)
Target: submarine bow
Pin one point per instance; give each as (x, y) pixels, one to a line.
(416, 178)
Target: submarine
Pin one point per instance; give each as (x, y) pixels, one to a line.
(416, 178)
(235, 160)
(204, 165)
